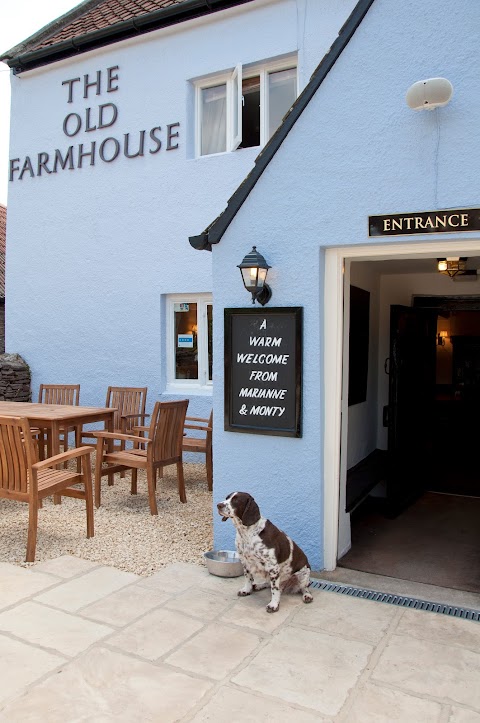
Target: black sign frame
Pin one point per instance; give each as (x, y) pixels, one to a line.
(458, 220)
(290, 321)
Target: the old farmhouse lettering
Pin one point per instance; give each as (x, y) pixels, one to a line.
(91, 119)
(263, 369)
(447, 221)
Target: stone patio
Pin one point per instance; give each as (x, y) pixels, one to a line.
(83, 642)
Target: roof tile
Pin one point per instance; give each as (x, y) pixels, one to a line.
(103, 15)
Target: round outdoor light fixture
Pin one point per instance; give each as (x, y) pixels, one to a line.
(254, 270)
(429, 94)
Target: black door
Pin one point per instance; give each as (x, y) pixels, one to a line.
(411, 403)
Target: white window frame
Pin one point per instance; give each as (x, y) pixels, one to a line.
(234, 101)
(202, 385)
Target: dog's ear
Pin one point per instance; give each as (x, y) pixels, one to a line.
(251, 512)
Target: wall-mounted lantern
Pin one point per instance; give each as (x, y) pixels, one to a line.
(453, 265)
(254, 270)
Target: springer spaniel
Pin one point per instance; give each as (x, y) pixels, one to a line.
(265, 551)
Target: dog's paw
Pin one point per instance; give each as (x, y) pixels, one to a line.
(307, 597)
(272, 608)
(244, 593)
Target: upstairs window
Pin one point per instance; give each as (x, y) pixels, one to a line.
(244, 108)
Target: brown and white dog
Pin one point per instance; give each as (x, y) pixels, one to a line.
(266, 552)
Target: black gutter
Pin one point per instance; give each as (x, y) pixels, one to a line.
(164, 17)
(213, 233)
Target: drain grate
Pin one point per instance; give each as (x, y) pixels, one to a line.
(399, 600)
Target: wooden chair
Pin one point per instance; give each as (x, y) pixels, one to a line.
(24, 479)
(130, 405)
(201, 444)
(58, 394)
(163, 440)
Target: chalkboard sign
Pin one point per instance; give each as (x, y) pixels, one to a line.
(263, 371)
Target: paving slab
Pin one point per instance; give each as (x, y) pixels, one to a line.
(156, 633)
(440, 671)
(308, 668)
(237, 706)
(103, 685)
(124, 606)
(373, 703)
(49, 628)
(251, 612)
(215, 651)
(66, 566)
(462, 715)
(205, 605)
(21, 665)
(346, 616)
(18, 583)
(75, 594)
(440, 629)
(175, 578)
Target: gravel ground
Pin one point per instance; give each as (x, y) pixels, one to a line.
(127, 536)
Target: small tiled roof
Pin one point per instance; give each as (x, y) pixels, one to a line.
(3, 239)
(96, 23)
(105, 13)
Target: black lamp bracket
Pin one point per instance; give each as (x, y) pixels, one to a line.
(263, 296)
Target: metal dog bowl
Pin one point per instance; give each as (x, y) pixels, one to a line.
(224, 563)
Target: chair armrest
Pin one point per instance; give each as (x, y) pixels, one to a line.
(62, 457)
(196, 419)
(197, 426)
(133, 416)
(121, 437)
(141, 429)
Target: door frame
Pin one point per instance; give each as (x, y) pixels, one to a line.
(336, 323)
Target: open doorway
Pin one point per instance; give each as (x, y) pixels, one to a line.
(412, 492)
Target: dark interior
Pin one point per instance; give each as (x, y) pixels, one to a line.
(424, 523)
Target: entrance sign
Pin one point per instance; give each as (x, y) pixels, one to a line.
(403, 224)
(263, 371)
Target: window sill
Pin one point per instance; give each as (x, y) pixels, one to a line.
(189, 389)
(254, 149)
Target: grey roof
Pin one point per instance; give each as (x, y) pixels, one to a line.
(96, 23)
(214, 232)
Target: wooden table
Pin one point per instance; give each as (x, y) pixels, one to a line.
(54, 416)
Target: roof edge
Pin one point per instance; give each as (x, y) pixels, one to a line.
(214, 232)
(155, 20)
(50, 29)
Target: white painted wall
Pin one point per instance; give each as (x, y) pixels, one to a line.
(357, 150)
(93, 251)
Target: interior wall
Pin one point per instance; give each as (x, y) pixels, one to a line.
(399, 289)
(362, 417)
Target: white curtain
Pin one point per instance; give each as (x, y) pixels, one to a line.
(282, 92)
(214, 120)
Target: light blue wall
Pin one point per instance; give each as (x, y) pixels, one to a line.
(93, 251)
(357, 150)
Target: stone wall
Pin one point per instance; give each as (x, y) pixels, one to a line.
(2, 326)
(14, 379)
